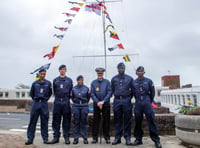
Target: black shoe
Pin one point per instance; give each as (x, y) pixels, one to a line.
(137, 142)
(158, 145)
(94, 141)
(107, 141)
(128, 142)
(116, 141)
(75, 141)
(28, 142)
(54, 141)
(46, 142)
(67, 141)
(85, 141)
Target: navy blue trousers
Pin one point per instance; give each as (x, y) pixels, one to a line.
(144, 107)
(61, 112)
(122, 117)
(38, 109)
(80, 114)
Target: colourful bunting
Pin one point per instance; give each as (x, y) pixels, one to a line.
(59, 36)
(69, 21)
(72, 2)
(46, 66)
(52, 54)
(75, 9)
(126, 58)
(120, 46)
(108, 17)
(61, 28)
(80, 4)
(93, 8)
(69, 14)
(108, 26)
(114, 35)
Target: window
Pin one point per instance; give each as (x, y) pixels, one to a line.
(183, 100)
(158, 92)
(17, 94)
(175, 101)
(188, 99)
(23, 94)
(6, 94)
(172, 101)
(179, 100)
(194, 100)
(1, 94)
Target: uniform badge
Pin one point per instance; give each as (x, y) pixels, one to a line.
(41, 90)
(61, 85)
(97, 89)
(79, 94)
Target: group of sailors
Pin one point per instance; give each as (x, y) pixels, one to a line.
(122, 86)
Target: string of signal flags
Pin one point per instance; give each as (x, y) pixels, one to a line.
(96, 8)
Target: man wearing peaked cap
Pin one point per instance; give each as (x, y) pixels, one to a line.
(122, 86)
(101, 93)
(144, 93)
(100, 70)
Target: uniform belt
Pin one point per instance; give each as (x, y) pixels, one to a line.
(80, 102)
(122, 96)
(62, 99)
(39, 100)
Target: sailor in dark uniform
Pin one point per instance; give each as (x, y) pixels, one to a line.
(80, 97)
(122, 86)
(62, 86)
(101, 93)
(40, 92)
(144, 93)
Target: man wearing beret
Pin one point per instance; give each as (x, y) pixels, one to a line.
(40, 93)
(122, 86)
(144, 95)
(62, 86)
(101, 93)
(80, 97)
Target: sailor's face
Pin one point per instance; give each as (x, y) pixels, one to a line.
(63, 71)
(140, 73)
(80, 81)
(42, 75)
(121, 70)
(99, 75)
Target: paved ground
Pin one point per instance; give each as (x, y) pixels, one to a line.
(11, 139)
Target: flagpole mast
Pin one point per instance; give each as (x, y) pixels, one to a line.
(104, 39)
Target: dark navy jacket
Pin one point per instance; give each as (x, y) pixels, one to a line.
(62, 87)
(144, 89)
(41, 90)
(101, 91)
(80, 95)
(122, 86)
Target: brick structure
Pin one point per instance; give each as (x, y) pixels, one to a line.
(171, 81)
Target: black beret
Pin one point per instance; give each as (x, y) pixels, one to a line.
(62, 66)
(120, 65)
(79, 77)
(140, 68)
(100, 70)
